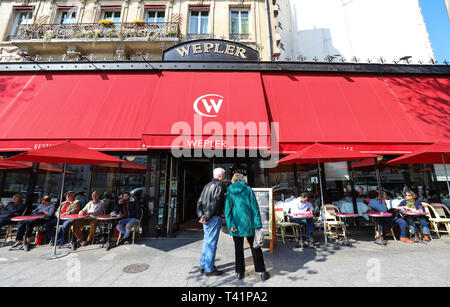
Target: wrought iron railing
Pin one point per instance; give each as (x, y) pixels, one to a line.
(126, 30)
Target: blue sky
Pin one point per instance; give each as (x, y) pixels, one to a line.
(438, 26)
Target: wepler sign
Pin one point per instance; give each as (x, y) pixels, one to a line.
(210, 50)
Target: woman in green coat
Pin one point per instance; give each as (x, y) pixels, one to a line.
(242, 217)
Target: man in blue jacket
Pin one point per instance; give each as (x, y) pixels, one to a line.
(132, 214)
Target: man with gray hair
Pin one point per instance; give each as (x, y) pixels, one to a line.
(210, 207)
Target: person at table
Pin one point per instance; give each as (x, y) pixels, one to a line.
(379, 204)
(411, 203)
(94, 207)
(47, 208)
(16, 207)
(67, 207)
(132, 213)
(302, 205)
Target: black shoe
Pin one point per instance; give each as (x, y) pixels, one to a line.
(203, 270)
(122, 241)
(214, 273)
(265, 276)
(240, 275)
(27, 247)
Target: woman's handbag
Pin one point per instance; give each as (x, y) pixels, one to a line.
(258, 241)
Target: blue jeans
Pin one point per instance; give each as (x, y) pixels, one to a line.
(423, 222)
(309, 226)
(5, 221)
(50, 231)
(121, 226)
(210, 239)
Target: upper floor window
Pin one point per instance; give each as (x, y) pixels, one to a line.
(239, 22)
(154, 16)
(23, 17)
(198, 21)
(67, 17)
(113, 15)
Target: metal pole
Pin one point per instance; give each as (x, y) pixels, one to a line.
(323, 206)
(446, 175)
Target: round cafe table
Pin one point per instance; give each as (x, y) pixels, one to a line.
(111, 220)
(300, 216)
(375, 215)
(73, 243)
(345, 216)
(26, 219)
(415, 214)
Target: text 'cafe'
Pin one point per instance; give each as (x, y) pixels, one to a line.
(212, 103)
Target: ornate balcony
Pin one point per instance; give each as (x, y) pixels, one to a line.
(97, 37)
(97, 31)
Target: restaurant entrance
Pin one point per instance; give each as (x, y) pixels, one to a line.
(196, 175)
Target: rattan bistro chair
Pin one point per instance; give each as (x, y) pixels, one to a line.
(437, 215)
(333, 221)
(282, 225)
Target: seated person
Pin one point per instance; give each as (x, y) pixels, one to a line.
(94, 207)
(132, 213)
(16, 207)
(67, 207)
(411, 203)
(379, 205)
(302, 205)
(46, 208)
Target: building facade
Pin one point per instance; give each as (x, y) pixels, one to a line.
(360, 31)
(125, 30)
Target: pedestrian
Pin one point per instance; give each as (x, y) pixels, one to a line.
(210, 207)
(243, 217)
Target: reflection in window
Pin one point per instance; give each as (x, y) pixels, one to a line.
(198, 21)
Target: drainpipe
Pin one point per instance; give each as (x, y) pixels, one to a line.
(269, 29)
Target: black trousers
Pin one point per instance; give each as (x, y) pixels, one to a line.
(257, 254)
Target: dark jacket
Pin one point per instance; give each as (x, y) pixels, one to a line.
(417, 203)
(130, 209)
(212, 200)
(242, 210)
(12, 210)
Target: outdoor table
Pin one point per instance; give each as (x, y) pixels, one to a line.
(345, 216)
(415, 214)
(300, 216)
(376, 215)
(73, 243)
(26, 218)
(110, 219)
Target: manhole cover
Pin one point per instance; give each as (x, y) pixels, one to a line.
(135, 268)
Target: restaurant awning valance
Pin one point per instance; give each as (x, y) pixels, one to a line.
(366, 113)
(220, 110)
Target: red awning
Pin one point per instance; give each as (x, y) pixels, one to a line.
(214, 110)
(102, 111)
(390, 115)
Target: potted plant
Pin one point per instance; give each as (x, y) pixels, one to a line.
(171, 33)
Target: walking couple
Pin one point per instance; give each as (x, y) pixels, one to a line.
(242, 217)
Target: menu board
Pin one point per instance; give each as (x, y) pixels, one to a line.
(264, 197)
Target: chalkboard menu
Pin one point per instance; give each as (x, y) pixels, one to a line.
(265, 203)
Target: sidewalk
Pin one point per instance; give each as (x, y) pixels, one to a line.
(175, 262)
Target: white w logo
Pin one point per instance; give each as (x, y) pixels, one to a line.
(209, 106)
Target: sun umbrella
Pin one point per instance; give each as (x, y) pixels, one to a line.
(66, 153)
(4, 164)
(317, 153)
(437, 153)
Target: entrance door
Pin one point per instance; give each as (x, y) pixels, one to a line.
(197, 174)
